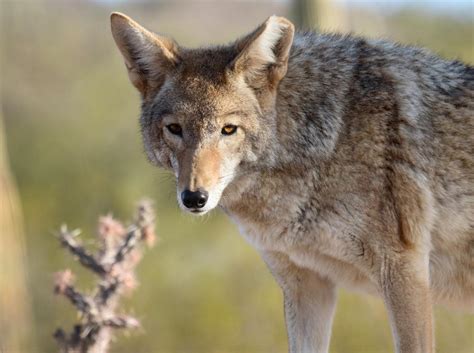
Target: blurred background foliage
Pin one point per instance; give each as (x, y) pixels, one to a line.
(70, 117)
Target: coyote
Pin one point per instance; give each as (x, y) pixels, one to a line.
(345, 162)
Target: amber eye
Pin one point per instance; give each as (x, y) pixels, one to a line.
(229, 130)
(175, 129)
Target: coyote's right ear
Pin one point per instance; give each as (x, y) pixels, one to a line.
(148, 56)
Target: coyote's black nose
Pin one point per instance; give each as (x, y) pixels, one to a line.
(194, 199)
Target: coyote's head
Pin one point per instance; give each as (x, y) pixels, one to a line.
(207, 114)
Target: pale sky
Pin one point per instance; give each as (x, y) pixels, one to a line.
(460, 7)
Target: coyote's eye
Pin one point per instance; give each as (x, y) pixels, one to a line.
(229, 130)
(175, 129)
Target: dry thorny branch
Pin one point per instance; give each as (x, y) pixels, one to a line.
(120, 250)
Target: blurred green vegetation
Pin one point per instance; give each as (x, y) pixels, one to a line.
(71, 122)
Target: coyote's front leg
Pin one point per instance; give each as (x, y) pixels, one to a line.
(309, 304)
(405, 288)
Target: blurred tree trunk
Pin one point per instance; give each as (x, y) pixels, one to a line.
(15, 310)
(326, 14)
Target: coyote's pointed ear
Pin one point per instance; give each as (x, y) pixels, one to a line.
(148, 56)
(263, 54)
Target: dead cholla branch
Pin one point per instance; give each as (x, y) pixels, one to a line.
(120, 250)
(67, 239)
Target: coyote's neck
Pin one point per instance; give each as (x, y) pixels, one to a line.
(309, 111)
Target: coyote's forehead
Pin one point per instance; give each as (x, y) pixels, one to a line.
(200, 95)
(206, 65)
(201, 75)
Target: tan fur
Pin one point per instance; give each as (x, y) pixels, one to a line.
(352, 164)
(201, 169)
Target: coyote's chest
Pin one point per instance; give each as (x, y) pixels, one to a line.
(328, 260)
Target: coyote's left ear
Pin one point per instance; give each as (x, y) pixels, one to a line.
(148, 56)
(263, 54)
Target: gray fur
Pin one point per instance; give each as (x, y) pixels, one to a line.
(354, 167)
